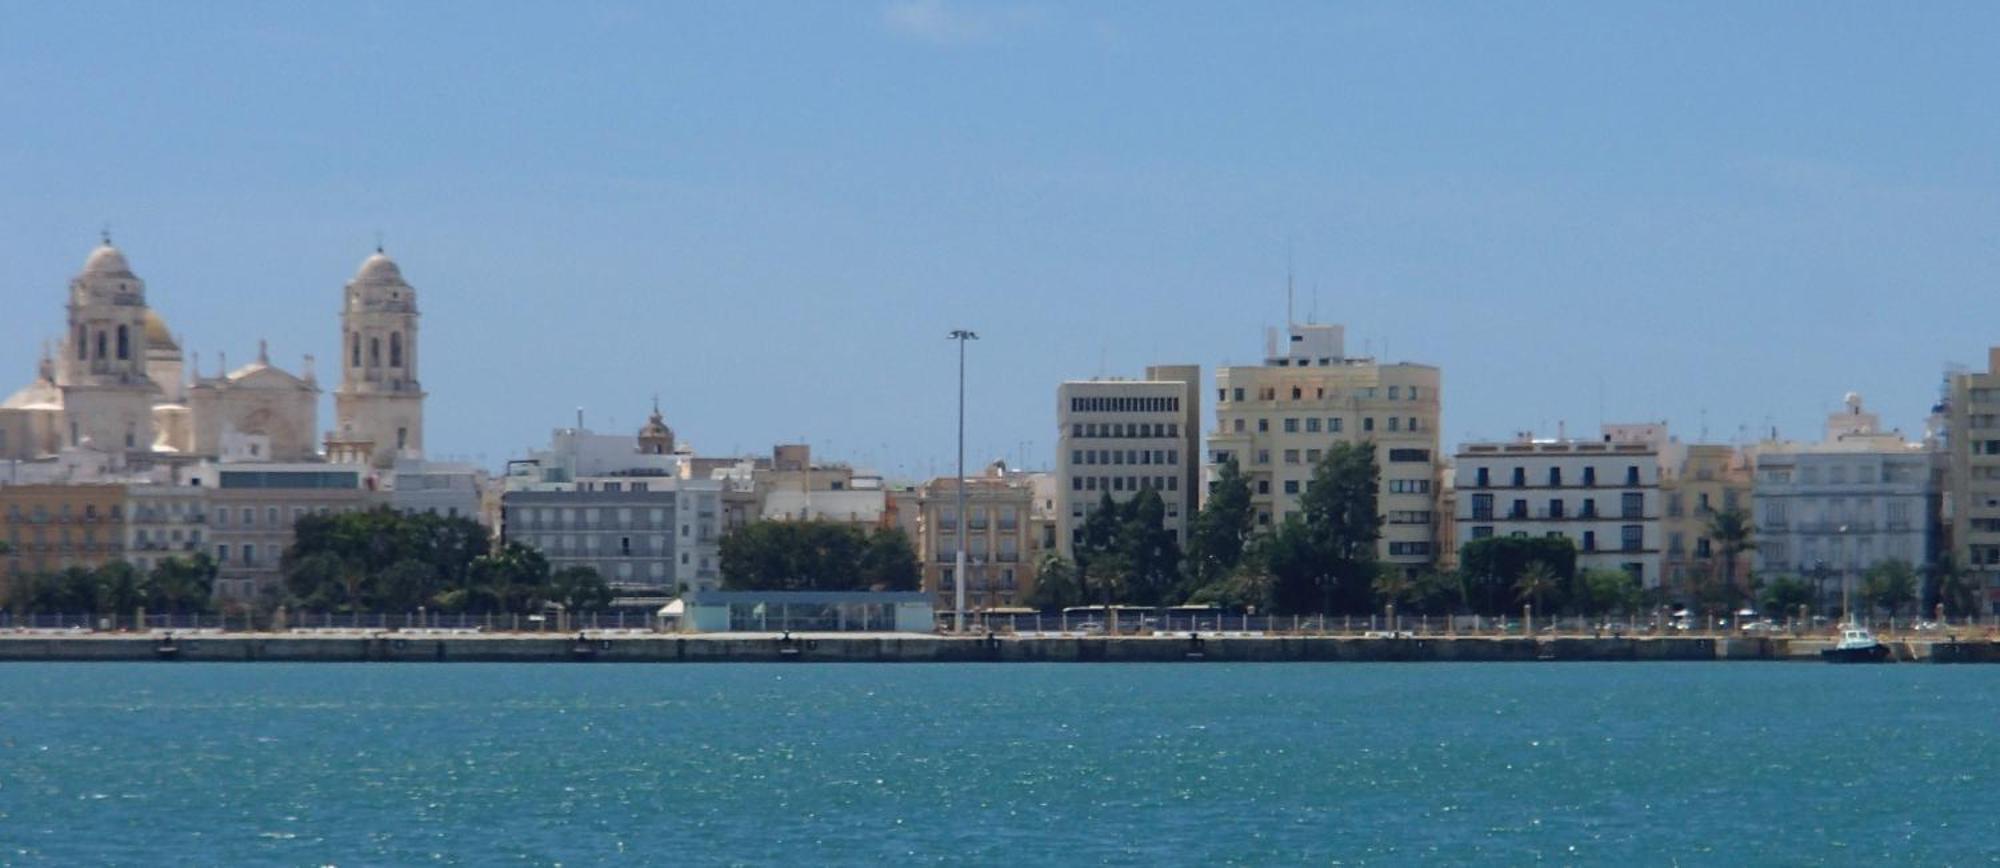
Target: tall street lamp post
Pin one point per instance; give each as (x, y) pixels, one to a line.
(958, 565)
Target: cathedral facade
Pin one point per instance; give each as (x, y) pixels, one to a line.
(118, 383)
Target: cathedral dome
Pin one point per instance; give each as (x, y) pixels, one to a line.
(107, 261)
(379, 268)
(157, 335)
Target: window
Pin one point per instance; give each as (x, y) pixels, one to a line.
(124, 343)
(1590, 540)
(1291, 426)
(1482, 532)
(1392, 423)
(1519, 510)
(1291, 456)
(1555, 507)
(1333, 425)
(1555, 477)
(1481, 478)
(1589, 509)
(1263, 426)
(1482, 507)
(1291, 486)
(1367, 423)
(1409, 455)
(1520, 477)
(374, 352)
(100, 345)
(249, 555)
(354, 344)
(1589, 477)
(1312, 425)
(1632, 504)
(1263, 486)
(395, 349)
(1632, 475)
(1632, 537)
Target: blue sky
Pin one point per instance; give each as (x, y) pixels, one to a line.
(1722, 215)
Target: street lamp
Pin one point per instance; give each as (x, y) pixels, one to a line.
(958, 567)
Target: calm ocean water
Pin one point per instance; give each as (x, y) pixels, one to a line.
(779, 764)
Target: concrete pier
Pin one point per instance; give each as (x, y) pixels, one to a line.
(609, 647)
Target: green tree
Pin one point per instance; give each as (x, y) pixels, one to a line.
(1393, 588)
(118, 589)
(1343, 523)
(1493, 566)
(403, 586)
(579, 589)
(1222, 530)
(1248, 588)
(179, 584)
(1889, 585)
(1731, 535)
(1056, 584)
(1783, 596)
(1106, 579)
(1605, 592)
(1149, 549)
(889, 562)
(1440, 592)
(1536, 581)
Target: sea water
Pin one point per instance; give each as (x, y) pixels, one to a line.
(1504, 764)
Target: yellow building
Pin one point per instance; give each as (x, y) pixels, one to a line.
(1277, 419)
(1000, 530)
(52, 527)
(1709, 478)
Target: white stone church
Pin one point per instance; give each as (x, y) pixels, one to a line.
(117, 386)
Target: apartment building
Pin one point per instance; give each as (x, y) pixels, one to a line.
(1000, 546)
(1709, 478)
(1121, 437)
(52, 527)
(1277, 419)
(165, 521)
(1972, 441)
(1828, 511)
(1602, 494)
(252, 509)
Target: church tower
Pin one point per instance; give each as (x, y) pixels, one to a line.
(107, 394)
(379, 407)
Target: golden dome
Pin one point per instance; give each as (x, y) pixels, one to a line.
(157, 336)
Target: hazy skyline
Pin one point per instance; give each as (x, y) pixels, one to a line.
(770, 217)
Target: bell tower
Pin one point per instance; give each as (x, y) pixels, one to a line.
(379, 407)
(107, 394)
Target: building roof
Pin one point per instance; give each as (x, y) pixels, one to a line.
(379, 268)
(107, 261)
(158, 337)
(804, 598)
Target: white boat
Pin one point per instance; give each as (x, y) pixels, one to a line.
(1856, 645)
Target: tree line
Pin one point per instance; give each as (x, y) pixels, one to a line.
(176, 585)
(817, 555)
(381, 560)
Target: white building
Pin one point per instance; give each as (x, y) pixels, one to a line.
(441, 488)
(1120, 437)
(619, 506)
(1827, 511)
(1602, 494)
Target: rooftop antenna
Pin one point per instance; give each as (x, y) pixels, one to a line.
(1312, 313)
(378, 241)
(104, 232)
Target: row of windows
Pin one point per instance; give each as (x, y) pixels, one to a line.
(1311, 424)
(1840, 474)
(1320, 393)
(1631, 504)
(83, 344)
(1121, 429)
(41, 512)
(1631, 537)
(1483, 477)
(1124, 483)
(375, 350)
(532, 518)
(1125, 456)
(1409, 549)
(1125, 405)
(1007, 552)
(1777, 513)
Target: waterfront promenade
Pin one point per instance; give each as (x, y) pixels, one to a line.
(640, 646)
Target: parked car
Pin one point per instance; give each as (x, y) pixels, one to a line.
(1090, 627)
(1759, 628)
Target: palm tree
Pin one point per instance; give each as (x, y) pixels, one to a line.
(1731, 532)
(1956, 590)
(1393, 588)
(1534, 583)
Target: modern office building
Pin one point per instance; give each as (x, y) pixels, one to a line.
(1275, 420)
(1120, 437)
